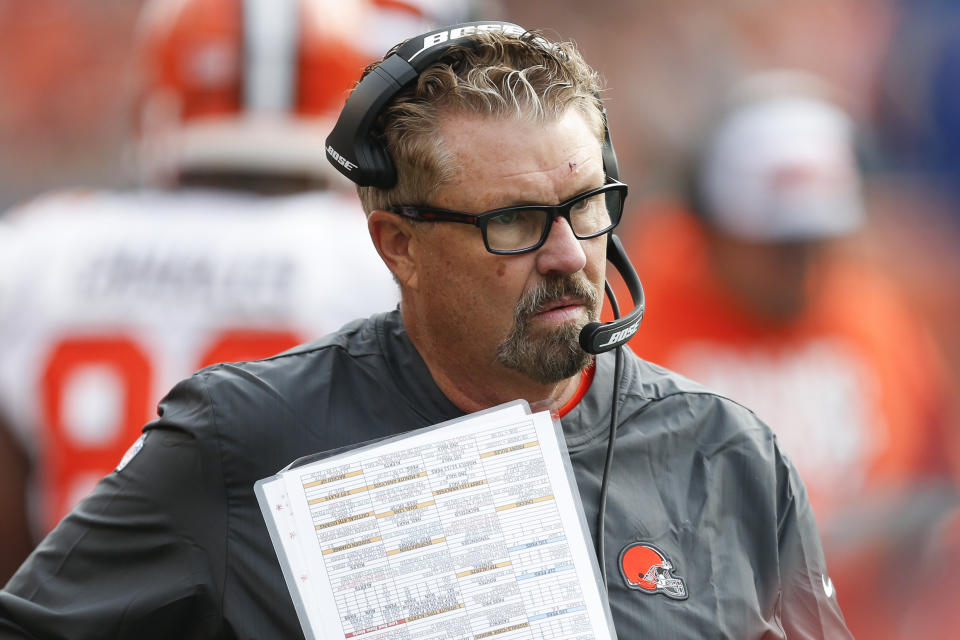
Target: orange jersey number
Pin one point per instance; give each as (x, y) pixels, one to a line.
(96, 397)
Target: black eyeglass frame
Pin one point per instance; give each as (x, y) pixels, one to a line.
(554, 211)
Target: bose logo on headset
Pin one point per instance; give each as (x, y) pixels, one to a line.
(622, 336)
(433, 39)
(343, 162)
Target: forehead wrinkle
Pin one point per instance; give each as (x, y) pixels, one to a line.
(561, 188)
(572, 174)
(526, 177)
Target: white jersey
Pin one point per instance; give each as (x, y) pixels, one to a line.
(108, 299)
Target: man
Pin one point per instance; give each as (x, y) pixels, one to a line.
(754, 293)
(173, 544)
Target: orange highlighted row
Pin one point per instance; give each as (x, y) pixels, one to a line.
(518, 447)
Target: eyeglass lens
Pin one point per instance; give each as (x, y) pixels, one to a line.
(520, 229)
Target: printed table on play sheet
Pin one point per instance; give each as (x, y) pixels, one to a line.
(470, 530)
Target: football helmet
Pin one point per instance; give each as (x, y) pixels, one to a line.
(244, 86)
(252, 87)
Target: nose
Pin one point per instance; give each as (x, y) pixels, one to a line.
(562, 254)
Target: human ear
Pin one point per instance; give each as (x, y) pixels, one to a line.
(393, 238)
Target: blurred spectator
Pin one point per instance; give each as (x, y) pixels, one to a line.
(664, 62)
(750, 291)
(108, 298)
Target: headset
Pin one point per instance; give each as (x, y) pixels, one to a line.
(355, 148)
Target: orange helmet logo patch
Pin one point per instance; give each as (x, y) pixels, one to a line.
(647, 569)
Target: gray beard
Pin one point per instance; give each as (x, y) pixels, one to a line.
(549, 358)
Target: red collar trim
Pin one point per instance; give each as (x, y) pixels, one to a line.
(585, 380)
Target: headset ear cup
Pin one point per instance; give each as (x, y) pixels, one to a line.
(383, 174)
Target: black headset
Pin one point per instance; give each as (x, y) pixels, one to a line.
(355, 149)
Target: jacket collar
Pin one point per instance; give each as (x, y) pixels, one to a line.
(585, 422)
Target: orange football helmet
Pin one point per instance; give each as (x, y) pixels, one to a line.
(247, 86)
(254, 86)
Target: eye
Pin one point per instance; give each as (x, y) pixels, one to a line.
(596, 200)
(510, 218)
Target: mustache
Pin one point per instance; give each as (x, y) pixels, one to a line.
(576, 285)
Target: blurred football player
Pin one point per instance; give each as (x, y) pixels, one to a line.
(108, 298)
(751, 291)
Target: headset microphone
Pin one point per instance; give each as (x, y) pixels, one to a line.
(598, 337)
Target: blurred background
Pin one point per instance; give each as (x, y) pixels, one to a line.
(68, 82)
(67, 79)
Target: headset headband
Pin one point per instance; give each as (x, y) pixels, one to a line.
(353, 147)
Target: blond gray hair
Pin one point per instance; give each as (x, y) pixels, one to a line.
(499, 75)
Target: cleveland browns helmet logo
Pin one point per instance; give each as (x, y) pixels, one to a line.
(647, 569)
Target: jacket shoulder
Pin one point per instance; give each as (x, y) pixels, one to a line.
(714, 421)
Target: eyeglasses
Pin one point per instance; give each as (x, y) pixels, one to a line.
(525, 228)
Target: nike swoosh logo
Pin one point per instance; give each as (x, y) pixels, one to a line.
(827, 585)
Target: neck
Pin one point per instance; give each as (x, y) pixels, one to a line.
(472, 386)
(471, 393)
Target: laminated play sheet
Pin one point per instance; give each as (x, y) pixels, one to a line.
(468, 529)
